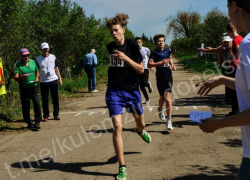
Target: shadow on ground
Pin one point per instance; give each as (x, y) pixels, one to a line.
(227, 172)
(78, 168)
(209, 100)
(233, 143)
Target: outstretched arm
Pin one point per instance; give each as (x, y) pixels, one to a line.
(213, 82)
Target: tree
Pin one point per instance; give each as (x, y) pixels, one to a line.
(181, 25)
(214, 25)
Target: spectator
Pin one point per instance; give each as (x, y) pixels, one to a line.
(27, 74)
(49, 78)
(89, 64)
(239, 13)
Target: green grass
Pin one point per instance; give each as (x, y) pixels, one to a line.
(197, 64)
(11, 110)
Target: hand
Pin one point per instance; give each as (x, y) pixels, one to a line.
(208, 85)
(174, 67)
(165, 61)
(37, 80)
(120, 55)
(209, 125)
(60, 82)
(24, 76)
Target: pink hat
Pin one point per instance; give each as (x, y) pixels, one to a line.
(24, 51)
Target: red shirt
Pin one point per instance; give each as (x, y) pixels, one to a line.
(236, 42)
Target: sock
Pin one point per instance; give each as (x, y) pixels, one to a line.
(122, 166)
(138, 132)
(169, 118)
(160, 109)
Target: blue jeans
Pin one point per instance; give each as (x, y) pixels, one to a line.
(244, 171)
(91, 73)
(53, 87)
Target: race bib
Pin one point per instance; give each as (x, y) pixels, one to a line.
(114, 62)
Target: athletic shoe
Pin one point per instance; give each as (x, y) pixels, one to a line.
(45, 119)
(122, 174)
(37, 125)
(145, 136)
(30, 125)
(161, 115)
(56, 118)
(150, 88)
(93, 91)
(146, 101)
(169, 125)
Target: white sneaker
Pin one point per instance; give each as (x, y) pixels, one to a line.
(161, 115)
(94, 90)
(150, 89)
(169, 125)
(146, 101)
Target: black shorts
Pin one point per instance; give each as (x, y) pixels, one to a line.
(164, 84)
(143, 79)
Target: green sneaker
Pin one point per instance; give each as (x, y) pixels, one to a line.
(145, 136)
(122, 174)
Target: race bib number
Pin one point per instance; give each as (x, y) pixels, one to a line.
(114, 62)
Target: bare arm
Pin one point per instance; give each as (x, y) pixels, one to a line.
(171, 62)
(138, 67)
(18, 78)
(58, 75)
(151, 63)
(212, 124)
(37, 76)
(213, 82)
(211, 50)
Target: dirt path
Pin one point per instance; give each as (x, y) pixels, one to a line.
(80, 144)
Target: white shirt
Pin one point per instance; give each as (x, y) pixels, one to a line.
(242, 83)
(145, 52)
(47, 65)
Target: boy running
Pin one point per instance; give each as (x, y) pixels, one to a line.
(160, 58)
(123, 86)
(143, 79)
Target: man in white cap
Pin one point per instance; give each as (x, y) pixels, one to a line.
(49, 78)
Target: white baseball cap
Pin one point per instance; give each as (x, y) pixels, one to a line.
(227, 39)
(44, 45)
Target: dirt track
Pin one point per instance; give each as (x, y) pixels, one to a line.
(81, 142)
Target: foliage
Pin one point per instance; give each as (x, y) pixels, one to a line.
(181, 25)
(68, 30)
(209, 32)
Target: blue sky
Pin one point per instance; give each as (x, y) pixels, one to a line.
(147, 16)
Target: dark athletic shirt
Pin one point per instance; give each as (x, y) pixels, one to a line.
(157, 55)
(120, 74)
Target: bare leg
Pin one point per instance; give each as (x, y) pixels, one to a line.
(117, 138)
(140, 123)
(161, 101)
(168, 104)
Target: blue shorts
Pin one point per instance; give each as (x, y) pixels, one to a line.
(117, 99)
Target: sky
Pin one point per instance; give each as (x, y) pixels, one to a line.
(148, 16)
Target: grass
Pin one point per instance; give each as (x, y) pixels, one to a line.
(11, 110)
(198, 64)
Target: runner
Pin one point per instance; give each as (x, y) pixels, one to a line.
(160, 58)
(239, 13)
(143, 79)
(123, 86)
